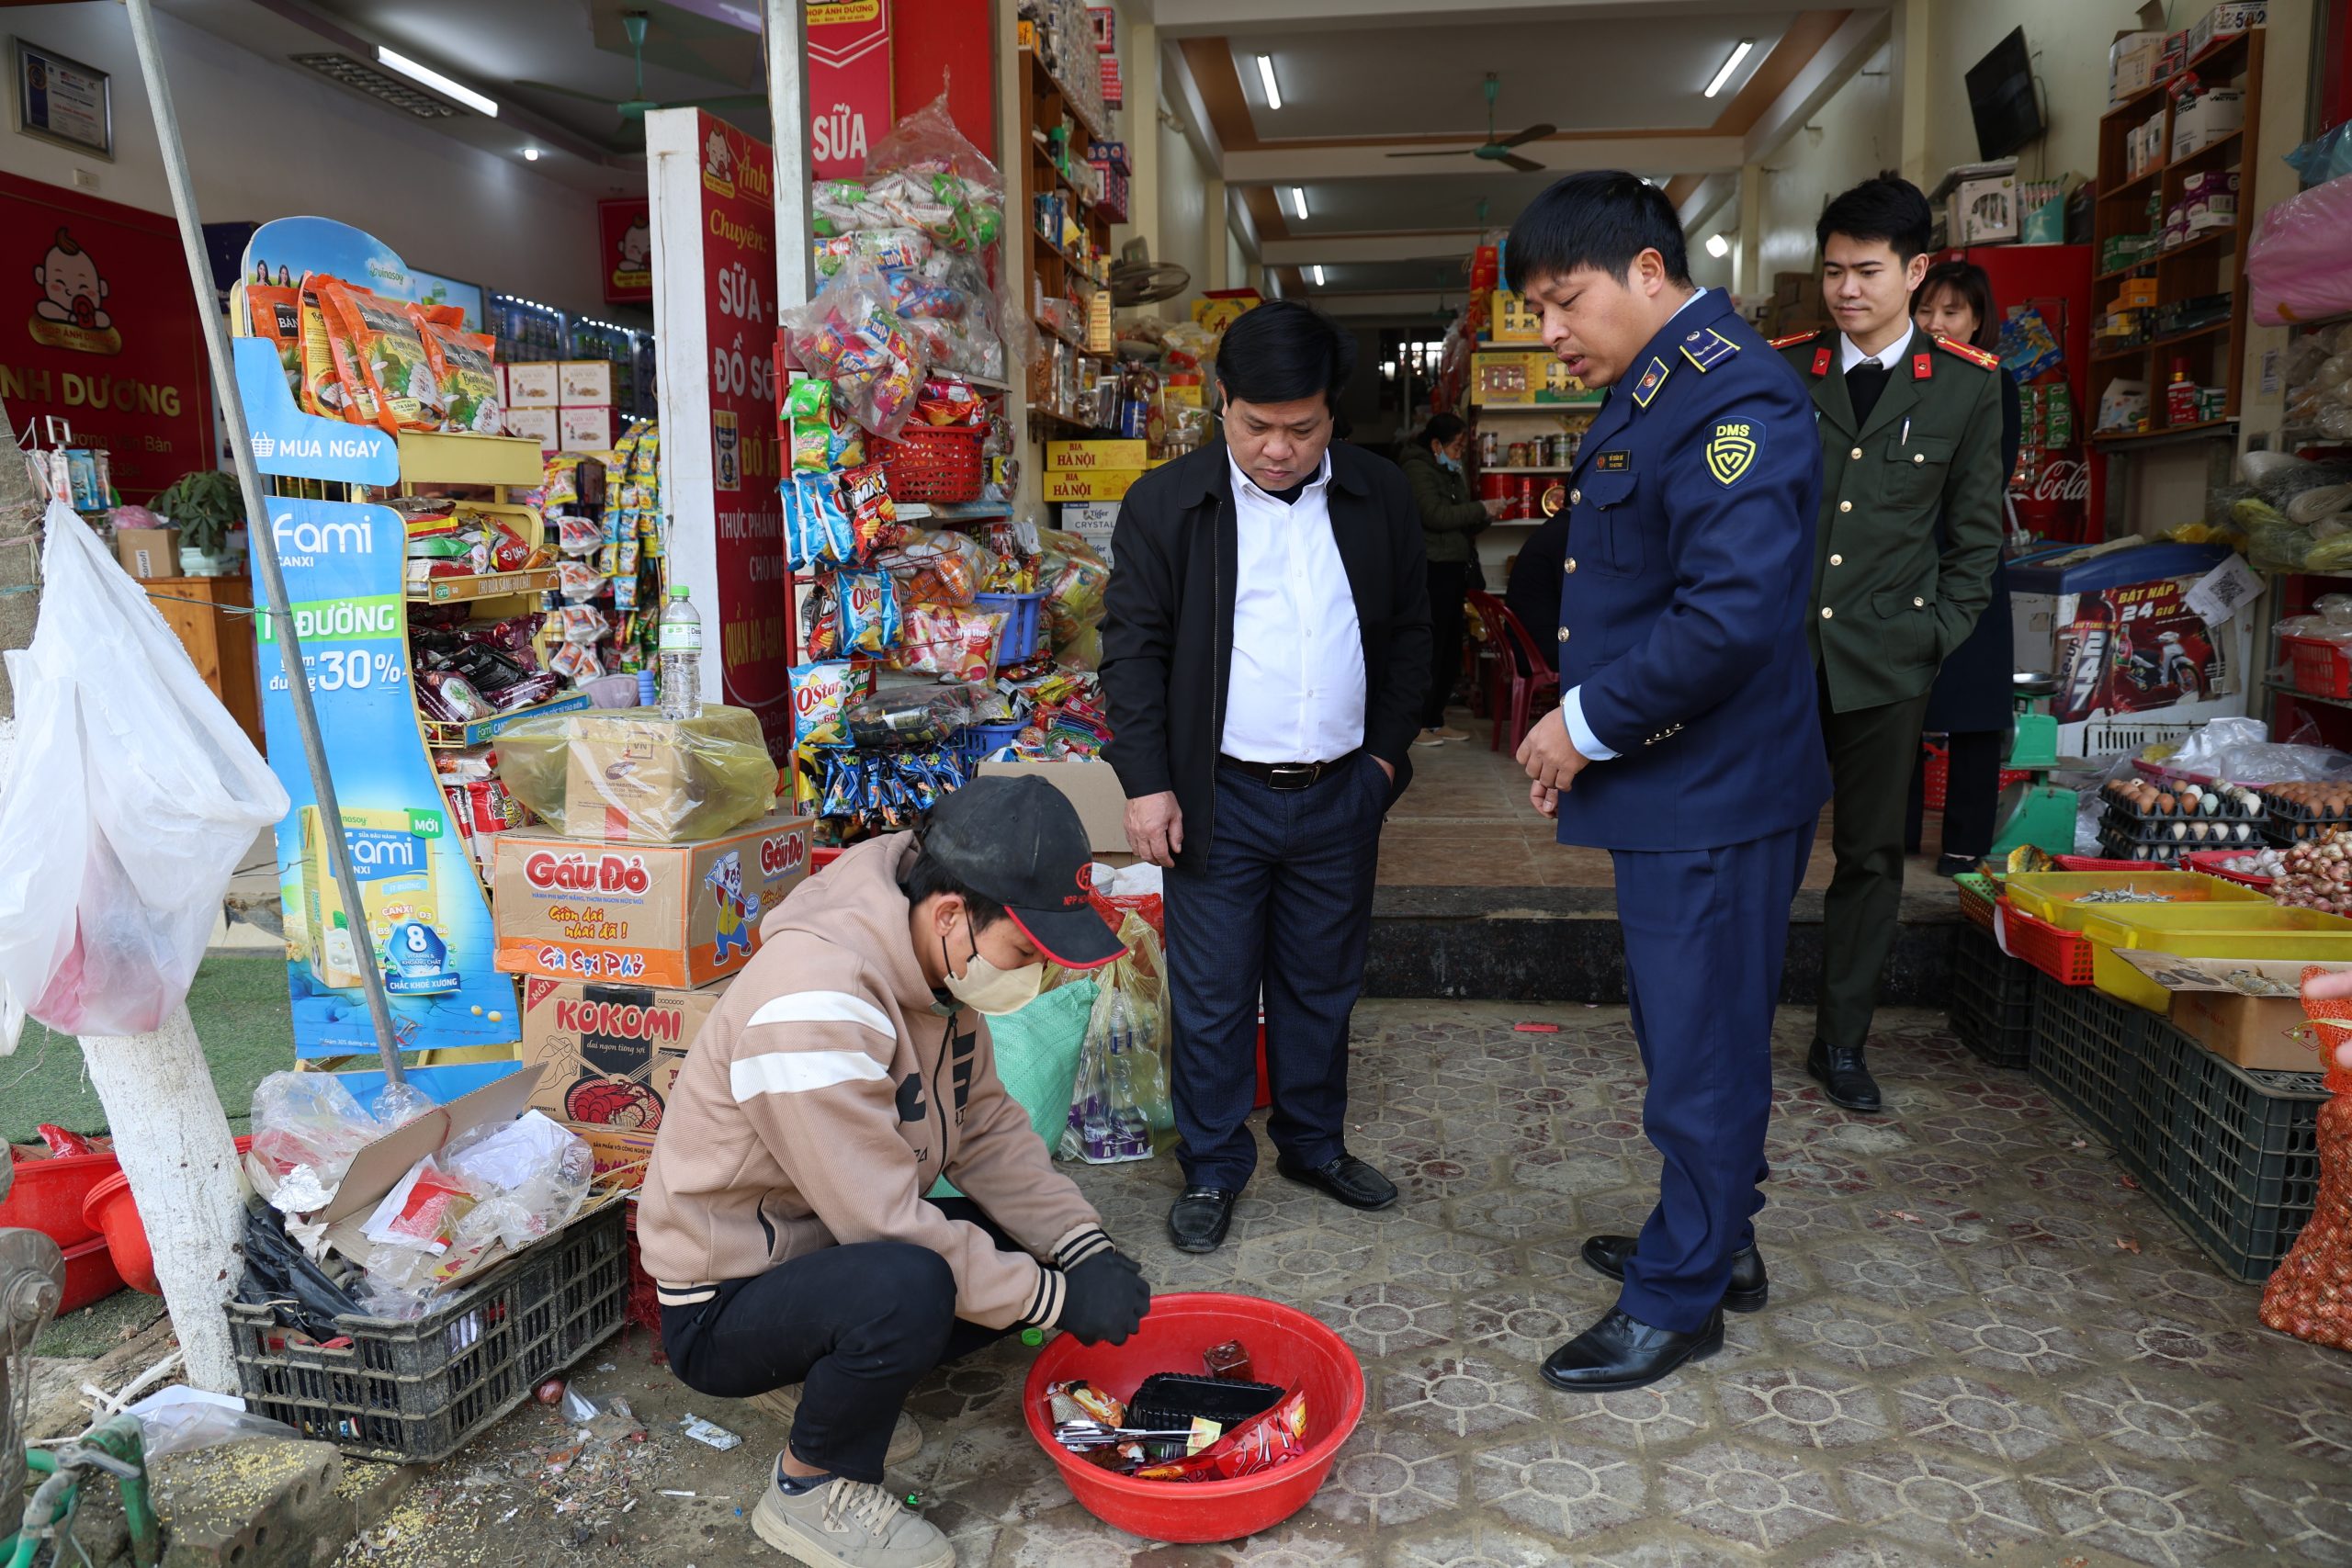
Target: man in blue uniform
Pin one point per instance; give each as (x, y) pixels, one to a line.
(1686, 743)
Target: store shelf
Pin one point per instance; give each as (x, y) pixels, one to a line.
(1067, 421)
(1560, 468)
(2203, 430)
(982, 383)
(444, 736)
(491, 585)
(2155, 92)
(430, 458)
(2189, 247)
(2227, 140)
(1076, 107)
(2284, 689)
(2160, 344)
(2134, 185)
(1077, 267)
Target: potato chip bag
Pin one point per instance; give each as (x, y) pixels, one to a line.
(276, 316)
(869, 611)
(819, 697)
(465, 377)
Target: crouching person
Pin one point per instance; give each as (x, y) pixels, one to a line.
(784, 1216)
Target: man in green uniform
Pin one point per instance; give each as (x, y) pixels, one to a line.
(1910, 529)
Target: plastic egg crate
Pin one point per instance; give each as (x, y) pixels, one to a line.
(2304, 811)
(2142, 815)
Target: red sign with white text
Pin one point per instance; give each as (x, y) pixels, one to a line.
(849, 83)
(97, 327)
(738, 307)
(625, 228)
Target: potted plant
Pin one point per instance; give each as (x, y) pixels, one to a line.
(205, 507)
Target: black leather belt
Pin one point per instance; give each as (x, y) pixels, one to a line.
(1287, 775)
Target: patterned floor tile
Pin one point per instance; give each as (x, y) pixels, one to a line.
(1842, 1332)
(2301, 1524)
(1803, 1409)
(1979, 1417)
(1932, 1500)
(2152, 1420)
(1460, 1396)
(1765, 1500)
(1390, 1479)
(2147, 1517)
(1385, 1319)
(1563, 1490)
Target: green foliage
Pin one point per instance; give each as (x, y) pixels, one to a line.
(204, 507)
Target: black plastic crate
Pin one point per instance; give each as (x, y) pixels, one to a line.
(420, 1390)
(2232, 1154)
(2086, 1053)
(1992, 1001)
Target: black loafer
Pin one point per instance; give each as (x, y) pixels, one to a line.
(1748, 1289)
(1197, 1221)
(1621, 1352)
(1956, 865)
(1347, 1178)
(1843, 1076)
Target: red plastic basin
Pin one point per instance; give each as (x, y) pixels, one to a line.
(48, 1196)
(89, 1275)
(1285, 1346)
(112, 1213)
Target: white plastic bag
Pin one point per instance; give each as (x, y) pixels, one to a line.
(133, 796)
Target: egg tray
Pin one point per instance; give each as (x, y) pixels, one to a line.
(2147, 851)
(2220, 832)
(2283, 830)
(2292, 812)
(2230, 812)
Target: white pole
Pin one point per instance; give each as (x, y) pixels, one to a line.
(172, 1139)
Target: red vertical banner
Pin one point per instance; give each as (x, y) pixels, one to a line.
(624, 234)
(849, 83)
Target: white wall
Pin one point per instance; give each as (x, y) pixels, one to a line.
(266, 140)
(1850, 137)
(1183, 235)
(2067, 43)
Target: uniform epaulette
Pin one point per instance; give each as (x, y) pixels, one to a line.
(1795, 338)
(1981, 359)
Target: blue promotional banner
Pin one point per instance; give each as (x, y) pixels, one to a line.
(303, 445)
(424, 922)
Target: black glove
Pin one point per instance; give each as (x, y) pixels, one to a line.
(1104, 1298)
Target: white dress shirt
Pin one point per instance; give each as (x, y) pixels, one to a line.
(1850, 352)
(1588, 745)
(1295, 690)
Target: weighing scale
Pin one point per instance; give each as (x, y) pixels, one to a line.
(2034, 811)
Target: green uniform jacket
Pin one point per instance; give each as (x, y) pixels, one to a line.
(1887, 605)
(1450, 517)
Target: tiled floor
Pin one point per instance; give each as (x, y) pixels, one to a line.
(1466, 823)
(1983, 1345)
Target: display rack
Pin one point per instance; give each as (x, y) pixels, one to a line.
(1055, 171)
(2205, 268)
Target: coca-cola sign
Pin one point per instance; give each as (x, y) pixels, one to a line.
(2062, 479)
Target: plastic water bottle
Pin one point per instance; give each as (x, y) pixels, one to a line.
(680, 646)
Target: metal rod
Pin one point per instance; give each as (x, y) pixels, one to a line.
(265, 549)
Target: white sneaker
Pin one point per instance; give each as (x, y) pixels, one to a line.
(848, 1524)
(783, 1404)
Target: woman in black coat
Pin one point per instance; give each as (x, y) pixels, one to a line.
(1970, 704)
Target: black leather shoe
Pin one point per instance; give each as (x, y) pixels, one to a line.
(1748, 1289)
(1197, 1221)
(1621, 1352)
(1848, 1082)
(1347, 1178)
(1955, 865)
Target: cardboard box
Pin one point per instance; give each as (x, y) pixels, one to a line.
(1095, 521)
(1100, 485)
(621, 1156)
(608, 1053)
(1219, 309)
(537, 385)
(2207, 120)
(2131, 62)
(584, 430)
(677, 916)
(542, 426)
(377, 1168)
(2246, 1011)
(149, 552)
(1094, 456)
(585, 383)
(1514, 319)
(1980, 211)
(1092, 787)
(2223, 21)
(2137, 291)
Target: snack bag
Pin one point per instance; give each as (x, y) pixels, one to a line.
(819, 699)
(851, 335)
(386, 349)
(465, 374)
(868, 490)
(836, 206)
(276, 315)
(816, 531)
(327, 388)
(824, 620)
(808, 411)
(1268, 1440)
(955, 644)
(937, 568)
(869, 611)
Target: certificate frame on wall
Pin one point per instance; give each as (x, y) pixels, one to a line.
(61, 100)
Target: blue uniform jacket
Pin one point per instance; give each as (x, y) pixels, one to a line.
(1683, 597)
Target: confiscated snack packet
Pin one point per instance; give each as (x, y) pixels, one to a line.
(1274, 1439)
(1084, 1403)
(819, 697)
(868, 490)
(954, 643)
(939, 568)
(869, 611)
(808, 409)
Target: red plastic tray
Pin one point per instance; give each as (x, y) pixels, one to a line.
(2065, 956)
(2210, 862)
(48, 1196)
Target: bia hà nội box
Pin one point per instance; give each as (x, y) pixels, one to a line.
(400, 924)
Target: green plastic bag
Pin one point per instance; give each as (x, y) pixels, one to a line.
(1036, 1056)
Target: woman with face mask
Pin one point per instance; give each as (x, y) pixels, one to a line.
(1451, 523)
(797, 1261)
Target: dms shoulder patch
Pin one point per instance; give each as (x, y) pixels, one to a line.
(1732, 448)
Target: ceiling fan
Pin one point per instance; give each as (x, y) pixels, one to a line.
(631, 137)
(1493, 148)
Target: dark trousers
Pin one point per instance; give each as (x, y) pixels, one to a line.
(857, 1327)
(1284, 903)
(1706, 932)
(1871, 754)
(1448, 579)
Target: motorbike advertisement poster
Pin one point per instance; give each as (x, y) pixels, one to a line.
(2139, 647)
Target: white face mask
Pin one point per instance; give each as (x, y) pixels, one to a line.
(985, 988)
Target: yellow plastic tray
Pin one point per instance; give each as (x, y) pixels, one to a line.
(2161, 926)
(2119, 980)
(2050, 895)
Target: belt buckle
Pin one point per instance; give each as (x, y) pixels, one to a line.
(1292, 775)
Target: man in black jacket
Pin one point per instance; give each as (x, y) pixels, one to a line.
(1266, 654)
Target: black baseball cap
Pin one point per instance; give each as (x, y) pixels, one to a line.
(1017, 841)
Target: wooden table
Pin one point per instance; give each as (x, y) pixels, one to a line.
(209, 616)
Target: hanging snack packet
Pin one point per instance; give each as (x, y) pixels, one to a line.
(937, 568)
(575, 662)
(465, 372)
(585, 623)
(808, 409)
(869, 611)
(816, 531)
(327, 391)
(823, 609)
(276, 315)
(578, 536)
(578, 581)
(952, 643)
(819, 699)
(868, 490)
(837, 207)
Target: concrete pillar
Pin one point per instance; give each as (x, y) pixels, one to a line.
(1214, 221)
(1139, 48)
(1914, 72)
(1747, 278)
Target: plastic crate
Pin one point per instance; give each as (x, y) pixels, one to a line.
(1992, 1001)
(2063, 955)
(2320, 669)
(2086, 1053)
(1977, 892)
(977, 740)
(1020, 640)
(2215, 863)
(937, 462)
(2054, 897)
(2232, 1155)
(1936, 777)
(418, 1391)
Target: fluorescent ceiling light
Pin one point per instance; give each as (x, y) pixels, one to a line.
(1298, 201)
(1717, 246)
(1738, 53)
(434, 80)
(530, 154)
(1266, 75)
(1318, 271)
